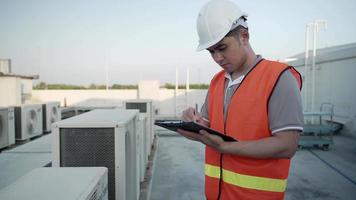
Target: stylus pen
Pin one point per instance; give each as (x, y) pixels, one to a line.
(195, 111)
(195, 114)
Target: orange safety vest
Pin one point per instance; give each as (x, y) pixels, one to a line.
(247, 119)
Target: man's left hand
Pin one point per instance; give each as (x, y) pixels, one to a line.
(204, 137)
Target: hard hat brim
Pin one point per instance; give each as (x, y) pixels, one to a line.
(211, 43)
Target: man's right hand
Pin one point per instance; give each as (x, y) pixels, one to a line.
(191, 114)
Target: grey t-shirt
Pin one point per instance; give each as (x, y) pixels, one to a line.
(284, 109)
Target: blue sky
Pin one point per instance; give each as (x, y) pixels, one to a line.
(72, 41)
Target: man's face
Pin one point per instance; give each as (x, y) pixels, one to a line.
(229, 53)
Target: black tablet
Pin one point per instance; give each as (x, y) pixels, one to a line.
(174, 125)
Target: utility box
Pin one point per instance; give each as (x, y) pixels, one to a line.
(78, 183)
(18, 89)
(102, 137)
(144, 106)
(28, 121)
(51, 113)
(143, 154)
(7, 127)
(67, 112)
(12, 88)
(89, 105)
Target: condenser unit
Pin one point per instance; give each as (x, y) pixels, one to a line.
(143, 154)
(7, 127)
(28, 121)
(102, 137)
(144, 106)
(68, 112)
(69, 183)
(51, 113)
(96, 103)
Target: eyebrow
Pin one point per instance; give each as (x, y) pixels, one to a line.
(217, 47)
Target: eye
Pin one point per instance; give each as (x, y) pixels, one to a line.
(222, 48)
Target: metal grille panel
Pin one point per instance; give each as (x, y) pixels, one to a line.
(142, 107)
(89, 147)
(2, 123)
(67, 114)
(4, 136)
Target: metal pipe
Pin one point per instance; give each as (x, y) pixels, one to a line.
(106, 70)
(313, 65)
(305, 89)
(187, 89)
(107, 77)
(175, 93)
(317, 25)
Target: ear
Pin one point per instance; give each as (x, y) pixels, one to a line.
(244, 37)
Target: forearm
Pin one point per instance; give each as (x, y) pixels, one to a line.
(281, 146)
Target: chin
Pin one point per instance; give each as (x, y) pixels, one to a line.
(228, 70)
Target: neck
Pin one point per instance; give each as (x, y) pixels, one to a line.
(250, 60)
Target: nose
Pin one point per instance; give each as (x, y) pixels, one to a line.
(218, 57)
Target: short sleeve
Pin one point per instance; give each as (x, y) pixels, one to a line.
(204, 108)
(285, 110)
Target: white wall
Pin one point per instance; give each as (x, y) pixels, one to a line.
(25, 89)
(148, 89)
(167, 101)
(335, 83)
(10, 93)
(5, 66)
(75, 96)
(164, 101)
(27, 85)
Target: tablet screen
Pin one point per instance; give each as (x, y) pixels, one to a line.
(174, 125)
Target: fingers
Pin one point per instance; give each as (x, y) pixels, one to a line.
(189, 135)
(203, 122)
(211, 140)
(204, 137)
(189, 114)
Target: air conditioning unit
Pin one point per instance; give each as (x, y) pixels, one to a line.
(144, 106)
(69, 183)
(143, 154)
(68, 112)
(72, 111)
(102, 137)
(51, 113)
(28, 121)
(7, 127)
(97, 103)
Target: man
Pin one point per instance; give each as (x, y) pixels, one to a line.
(253, 100)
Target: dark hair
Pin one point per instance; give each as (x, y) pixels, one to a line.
(235, 32)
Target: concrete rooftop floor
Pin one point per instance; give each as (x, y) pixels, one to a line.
(178, 169)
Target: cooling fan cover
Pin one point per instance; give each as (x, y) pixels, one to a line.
(32, 121)
(54, 114)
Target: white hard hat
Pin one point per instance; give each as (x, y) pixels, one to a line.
(216, 19)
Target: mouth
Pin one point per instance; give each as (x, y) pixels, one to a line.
(224, 65)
